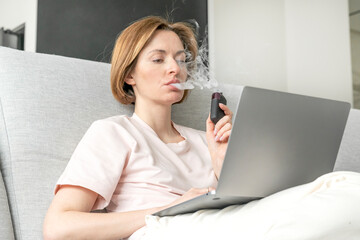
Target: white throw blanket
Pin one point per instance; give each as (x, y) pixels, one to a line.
(328, 208)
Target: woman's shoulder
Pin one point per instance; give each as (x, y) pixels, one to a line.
(119, 120)
(103, 126)
(115, 128)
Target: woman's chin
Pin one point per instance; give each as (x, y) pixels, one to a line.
(176, 100)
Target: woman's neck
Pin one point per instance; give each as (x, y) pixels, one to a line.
(158, 117)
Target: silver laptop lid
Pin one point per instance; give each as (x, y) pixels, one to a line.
(280, 140)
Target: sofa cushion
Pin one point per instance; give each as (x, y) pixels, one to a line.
(6, 228)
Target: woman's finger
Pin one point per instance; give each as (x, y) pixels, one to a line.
(222, 122)
(225, 136)
(226, 128)
(223, 129)
(226, 109)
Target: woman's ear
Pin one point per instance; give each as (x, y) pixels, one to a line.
(130, 80)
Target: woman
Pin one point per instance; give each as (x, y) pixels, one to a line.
(138, 165)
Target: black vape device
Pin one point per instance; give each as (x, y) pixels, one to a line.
(216, 113)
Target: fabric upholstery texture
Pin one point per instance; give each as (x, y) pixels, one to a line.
(6, 228)
(47, 103)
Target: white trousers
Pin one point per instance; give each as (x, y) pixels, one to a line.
(328, 208)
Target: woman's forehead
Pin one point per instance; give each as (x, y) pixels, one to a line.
(164, 40)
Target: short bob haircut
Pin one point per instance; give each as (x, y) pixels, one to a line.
(130, 43)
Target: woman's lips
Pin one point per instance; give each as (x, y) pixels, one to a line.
(173, 81)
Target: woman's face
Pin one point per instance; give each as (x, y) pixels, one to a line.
(160, 63)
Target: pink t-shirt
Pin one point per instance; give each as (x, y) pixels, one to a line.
(123, 160)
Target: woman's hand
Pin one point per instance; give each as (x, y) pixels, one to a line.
(217, 138)
(192, 193)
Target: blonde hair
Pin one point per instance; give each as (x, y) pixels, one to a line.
(129, 45)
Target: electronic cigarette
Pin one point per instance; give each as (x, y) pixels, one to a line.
(216, 113)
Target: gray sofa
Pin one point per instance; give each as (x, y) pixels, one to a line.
(47, 103)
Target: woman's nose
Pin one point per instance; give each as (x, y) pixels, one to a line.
(174, 67)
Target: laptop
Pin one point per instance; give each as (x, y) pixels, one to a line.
(279, 140)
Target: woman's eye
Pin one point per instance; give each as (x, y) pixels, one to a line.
(158, 60)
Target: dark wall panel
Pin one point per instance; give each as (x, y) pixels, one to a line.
(87, 29)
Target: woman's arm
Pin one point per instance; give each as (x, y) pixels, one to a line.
(69, 216)
(217, 137)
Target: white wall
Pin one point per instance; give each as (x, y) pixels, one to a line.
(247, 42)
(318, 48)
(16, 12)
(299, 46)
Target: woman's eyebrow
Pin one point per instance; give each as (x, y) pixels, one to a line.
(163, 51)
(157, 50)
